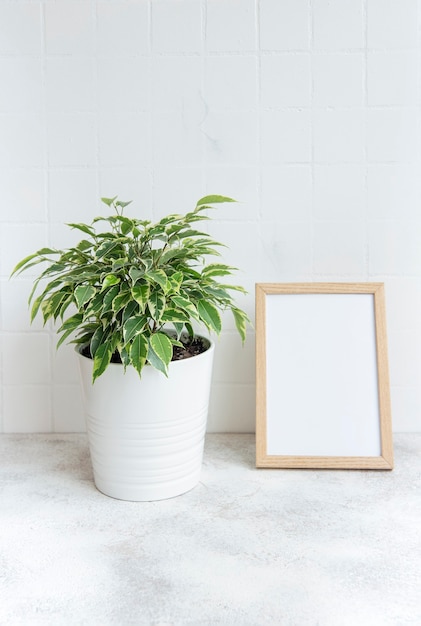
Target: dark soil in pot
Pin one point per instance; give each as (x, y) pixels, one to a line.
(191, 347)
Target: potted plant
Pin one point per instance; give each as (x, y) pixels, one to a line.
(129, 297)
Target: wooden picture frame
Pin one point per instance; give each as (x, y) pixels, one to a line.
(322, 376)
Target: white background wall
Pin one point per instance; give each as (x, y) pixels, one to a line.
(308, 111)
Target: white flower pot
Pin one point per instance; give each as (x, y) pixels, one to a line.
(146, 435)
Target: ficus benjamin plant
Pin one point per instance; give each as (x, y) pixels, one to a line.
(131, 283)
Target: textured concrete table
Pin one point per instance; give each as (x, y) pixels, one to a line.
(247, 546)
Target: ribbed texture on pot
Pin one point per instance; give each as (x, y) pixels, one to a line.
(146, 435)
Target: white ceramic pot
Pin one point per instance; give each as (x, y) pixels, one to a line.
(146, 435)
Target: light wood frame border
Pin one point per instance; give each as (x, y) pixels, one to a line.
(382, 462)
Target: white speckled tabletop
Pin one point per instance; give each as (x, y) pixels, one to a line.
(245, 547)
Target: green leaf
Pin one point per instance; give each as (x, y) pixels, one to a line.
(234, 288)
(186, 305)
(102, 359)
(46, 310)
(209, 314)
(141, 294)
(72, 322)
(174, 315)
(69, 326)
(119, 263)
(121, 300)
(135, 274)
(21, 265)
(213, 199)
(109, 281)
(157, 231)
(106, 247)
(82, 339)
(125, 358)
(155, 361)
(133, 326)
(160, 277)
(194, 216)
(83, 294)
(139, 352)
(108, 299)
(56, 301)
(52, 304)
(35, 306)
(241, 320)
(175, 342)
(196, 252)
(130, 310)
(126, 225)
(65, 305)
(84, 245)
(176, 281)
(123, 204)
(191, 233)
(82, 227)
(64, 336)
(217, 269)
(156, 305)
(109, 201)
(97, 339)
(95, 305)
(47, 251)
(162, 347)
(178, 328)
(217, 293)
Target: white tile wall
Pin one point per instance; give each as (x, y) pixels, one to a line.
(284, 25)
(122, 28)
(286, 251)
(22, 141)
(392, 25)
(339, 191)
(79, 201)
(24, 190)
(230, 26)
(69, 28)
(23, 76)
(69, 84)
(392, 78)
(393, 191)
(231, 82)
(119, 145)
(285, 80)
(20, 28)
(71, 139)
(27, 358)
(286, 192)
(392, 135)
(339, 248)
(338, 79)
(338, 135)
(285, 136)
(307, 112)
(231, 137)
(116, 89)
(338, 25)
(176, 82)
